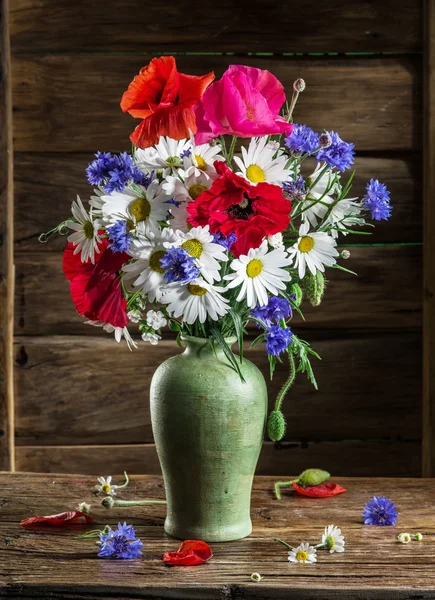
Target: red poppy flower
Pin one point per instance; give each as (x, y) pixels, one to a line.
(233, 205)
(70, 516)
(325, 490)
(190, 552)
(164, 99)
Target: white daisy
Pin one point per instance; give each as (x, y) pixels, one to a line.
(106, 486)
(189, 189)
(332, 539)
(179, 217)
(313, 250)
(201, 159)
(199, 243)
(276, 240)
(152, 338)
(263, 161)
(303, 554)
(85, 237)
(166, 156)
(344, 214)
(258, 272)
(321, 185)
(142, 209)
(147, 271)
(156, 319)
(119, 332)
(403, 538)
(195, 300)
(96, 202)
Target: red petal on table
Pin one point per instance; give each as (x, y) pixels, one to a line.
(191, 552)
(70, 516)
(326, 490)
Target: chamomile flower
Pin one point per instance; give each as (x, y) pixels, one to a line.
(332, 539)
(257, 273)
(164, 156)
(321, 185)
(184, 191)
(106, 486)
(263, 161)
(199, 243)
(119, 332)
(195, 300)
(85, 237)
(314, 250)
(141, 209)
(403, 538)
(147, 271)
(84, 507)
(201, 159)
(303, 554)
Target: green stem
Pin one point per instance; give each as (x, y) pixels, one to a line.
(292, 105)
(280, 484)
(284, 543)
(231, 151)
(137, 502)
(288, 383)
(126, 482)
(93, 534)
(224, 148)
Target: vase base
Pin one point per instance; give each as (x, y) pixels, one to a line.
(222, 534)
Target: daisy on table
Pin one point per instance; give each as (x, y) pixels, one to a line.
(257, 273)
(147, 271)
(85, 237)
(263, 162)
(142, 207)
(199, 243)
(194, 300)
(314, 250)
(166, 156)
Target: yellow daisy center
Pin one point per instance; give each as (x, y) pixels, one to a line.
(173, 161)
(196, 190)
(330, 542)
(196, 290)
(106, 488)
(155, 263)
(130, 224)
(193, 247)
(306, 244)
(254, 268)
(301, 555)
(255, 174)
(140, 209)
(88, 230)
(200, 162)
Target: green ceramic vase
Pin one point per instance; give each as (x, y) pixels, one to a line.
(208, 427)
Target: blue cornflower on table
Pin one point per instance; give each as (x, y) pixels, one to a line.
(120, 543)
(379, 510)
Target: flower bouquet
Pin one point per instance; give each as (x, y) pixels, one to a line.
(193, 233)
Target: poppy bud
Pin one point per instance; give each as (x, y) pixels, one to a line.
(345, 254)
(314, 287)
(299, 85)
(276, 425)
(296, 291)
(108, 502)
(312, 477)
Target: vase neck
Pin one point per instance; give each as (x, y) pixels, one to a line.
(203, 346)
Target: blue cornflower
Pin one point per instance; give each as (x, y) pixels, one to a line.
(379, 510)
(302, 139)
(377, 200)
(277, 339)
(276, 309)
(120, 543)
(119, 236)
(225, 241)
(339, 154)
(186, 152)
(113, 172)
(296, 190)
(179, 265)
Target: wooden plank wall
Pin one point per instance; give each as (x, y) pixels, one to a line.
(81, 400)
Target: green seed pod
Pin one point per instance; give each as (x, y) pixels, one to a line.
(276, 425)
(314, 286)
(312, 477)
(297, 291)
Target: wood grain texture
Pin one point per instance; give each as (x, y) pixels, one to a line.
(371, 299)
(362, 26)
(428, 445)
(6, 249)
(51, 181)
(348, 458)
(72, 390)
(70, 103)
(46, 562)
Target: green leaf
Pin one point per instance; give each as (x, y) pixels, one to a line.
(178, 340)
(272, 364)
(238, 326)
(174, 326)
(258, 339)
(340, 268)
(227, 351)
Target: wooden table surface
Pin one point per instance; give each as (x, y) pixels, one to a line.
(49, 563)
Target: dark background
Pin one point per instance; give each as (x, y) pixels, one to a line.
(81, 401)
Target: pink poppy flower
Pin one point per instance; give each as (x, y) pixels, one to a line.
(245, 102)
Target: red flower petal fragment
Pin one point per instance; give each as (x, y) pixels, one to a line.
(191, 552)
(326, 490)
(63, 518)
